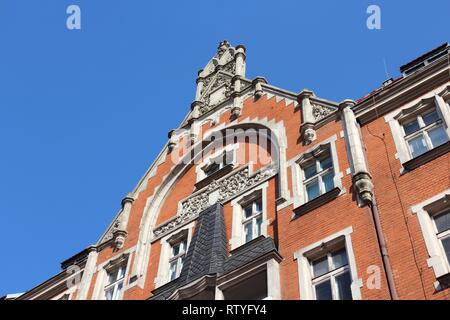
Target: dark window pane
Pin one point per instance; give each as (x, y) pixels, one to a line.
(310, 171)
(446, 245)
(339, 258)
(417, 146)
(328, 181)
(313, 190)
(343, 282)
(320, 267)
(323, 291)
(442, 221)
(248, 211)
(438, 136)
(411, 127)
(430, 118)
(326, 163)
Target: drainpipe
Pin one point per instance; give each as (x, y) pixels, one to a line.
(362, 181)
(383, 249)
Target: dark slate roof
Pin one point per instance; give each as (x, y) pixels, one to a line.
(248, 253)
(207, 253)
(208, 248)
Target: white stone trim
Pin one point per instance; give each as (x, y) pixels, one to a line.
(89, 270)
(396, 128)
(436, 259)
(303, 265)
(236, 228)
(299, 196)
(154, 203)
(162, 276)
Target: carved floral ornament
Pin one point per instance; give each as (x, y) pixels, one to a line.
(320, 112)
(227, 187)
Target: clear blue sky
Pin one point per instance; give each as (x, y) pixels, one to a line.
(83, 113)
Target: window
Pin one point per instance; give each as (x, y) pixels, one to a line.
(434, 220)
(114, 287)
(318, 177)
(424, 132)
(176, 260)
(327, 269)
(217, 163)
(331, 276)
(252, 220)
(442, 225)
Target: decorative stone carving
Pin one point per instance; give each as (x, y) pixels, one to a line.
(119, 238)
(227, 188)
(172, 142)
(364, 186)
(321, 112)
(110, 234)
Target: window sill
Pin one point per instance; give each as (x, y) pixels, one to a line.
(316, 203)
(215, 176)
(426, 157)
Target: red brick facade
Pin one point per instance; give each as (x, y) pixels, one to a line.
(392, 189)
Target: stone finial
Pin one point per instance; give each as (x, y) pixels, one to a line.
(172, 142)
(257, 83)
(307, 130)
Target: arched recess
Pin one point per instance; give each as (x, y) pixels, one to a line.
(277, 135)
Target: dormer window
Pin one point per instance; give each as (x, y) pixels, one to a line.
(424, 132)
(217, 163)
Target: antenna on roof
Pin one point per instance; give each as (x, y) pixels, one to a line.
(389, 79)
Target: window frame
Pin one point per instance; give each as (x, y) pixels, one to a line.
(435, 99)
(423, 130)
(252, 219)
(117, 293)
(333, 243)
(442, 235)
(332, 273)
(163, 274)
(426, 211)
(178, 258)
(237, 233)
(324, 148)
(320, 173)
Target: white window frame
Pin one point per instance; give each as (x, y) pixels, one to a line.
(122, 259)
(423, 130)
(437, 259)
(238, 204)
(303, 257)
(318, 176)
(395, 119)
(163, 275)
(252, 219)
(442, 235)
(331, 275)
(298, 187)
(120, 272)
(177, 259)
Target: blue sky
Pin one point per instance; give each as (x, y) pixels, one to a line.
(83, 113)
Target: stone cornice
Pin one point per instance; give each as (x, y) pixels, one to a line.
(402, 91)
